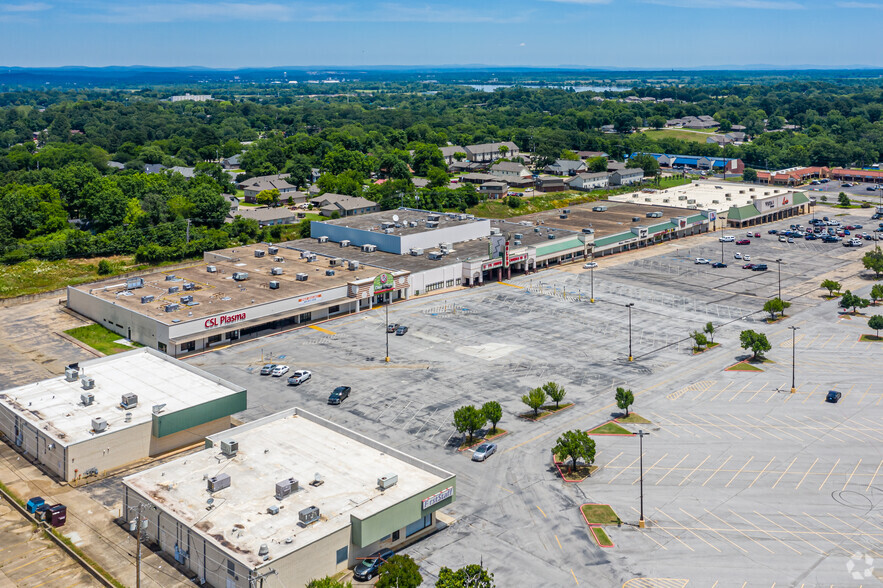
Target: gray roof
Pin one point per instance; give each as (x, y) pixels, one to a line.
(568, 165)
(342, 201)
(449, 150)
(116, 165)
(500, 185)
(264, 214)
(420, 182)
(250, 181)
(262, 185)
(588, 176)
(187, 172)
(491, 147)
(153, 168)
(508, 166)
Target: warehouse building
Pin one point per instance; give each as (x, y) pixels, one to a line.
(110, 412)
(286, 499)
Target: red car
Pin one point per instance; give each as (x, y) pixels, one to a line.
(757, 235)
(743, 242)
(748, 266)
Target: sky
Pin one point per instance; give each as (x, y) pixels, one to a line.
(539, 33)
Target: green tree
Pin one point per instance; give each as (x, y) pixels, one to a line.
(876, 293)
(459, 156)
(104, 268)
(775, 306)
(535, 399)
(657, 122)
(749, 174)
(700, 339)
(648, 163)
(575, 444)
(106, 206)
(597, 164)
(426, 156)
(493, 412)
(555, 391)
(268, 197)
(624, 399)
(873, 260)
(468, 419)
(876, 323)
(843, 199)
(399, 571)
(755, 342)
(831, 286)
(437, 177)
(853, 301)
(328, 582)
(709, 331)
(471, 576)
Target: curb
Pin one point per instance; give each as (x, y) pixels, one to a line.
(589, 432)
(484, 440)
(592, 526)
(550, 413)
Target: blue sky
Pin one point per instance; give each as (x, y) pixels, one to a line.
(591, 33)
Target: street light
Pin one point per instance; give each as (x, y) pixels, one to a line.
(592, 273)
(779, 261)
(386, 328)
(629, 306)
(793, 357)
(640, 435)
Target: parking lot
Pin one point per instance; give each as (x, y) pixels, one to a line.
(745, 483)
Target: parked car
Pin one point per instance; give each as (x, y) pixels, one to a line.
(782, 238)
(748, 266)
(737, 255)
(340, 394)
(749, 234)
(727, 239)
(791, 239)
(858, 227)
(833, 396)
(268, 369)
(718, 264)
(702, 261)
(590, 265)
(484, 451)
(391, 327)
(280, 370)
(746, 257)
(772, 232)
(299, 377)
(757, 235)
(370, 566)
(743, 242)
(401, 330)
(760, 267)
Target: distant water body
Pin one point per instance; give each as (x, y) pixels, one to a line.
(492, 87)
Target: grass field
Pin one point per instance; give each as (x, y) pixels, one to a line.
(601, 536)
(599, 514)
(743, 367)
(634, 419)
(682, 134)
(100, 339)
(609, 429)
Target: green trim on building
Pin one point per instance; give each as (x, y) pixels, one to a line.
(181, 420)
(695, 218)
(398, 516)
(661, 227)
(557, 245)
(610, 239)
(800, 198)
(742, 212)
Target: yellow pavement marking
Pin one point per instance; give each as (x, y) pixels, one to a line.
(759, 390)
(732, 424)
(506, 489)
(707, 389)
(46, 582)
(614, 459)
(717, 470)
(874, 477)
(678, 539)
(734, 396)
(559, 542)
(844, 535)
(737, 393)
(863, 395)
(690, 530)
(19, 580)
(542, 513)
(740, 532)
(868, 521)
(791, 533)
(574, 576)
(27, 564)
(827, 341)
(717, 425)
(671, 470)
(647, 471)
(829, 474)
(766, 430)
(785, 472)
(511, 285)
(739, 472)
(811, 394)
(810, 531)
(806, 474)
(813, 340)
(761, 472)
(622, 471)
(718, 533)
(765, 532)
(694, 470)
(321, 330)
(647, 535)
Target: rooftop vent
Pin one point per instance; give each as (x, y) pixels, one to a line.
(72, 373)
(274, 285)
(129, 400)
(218, 482)
(285, 488)
(263, 551)
(323, 239)
(301, 277)
(128, 417)
(272, 250)
(87, 398)
(309, 515)
(345, 243)
(173, 289)
(387, 481)
(88, 382)
(259, 252)
(211, 269)
(99, 424)
(240, 276)
(158, 408)
(276, 271)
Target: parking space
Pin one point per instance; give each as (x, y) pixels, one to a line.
(760, 483)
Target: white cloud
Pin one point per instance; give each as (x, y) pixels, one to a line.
(755, 4)
(522, 44)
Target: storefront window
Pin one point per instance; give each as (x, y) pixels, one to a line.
(418, 526)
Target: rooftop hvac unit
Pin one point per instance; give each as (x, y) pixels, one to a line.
(87, 398)
(389, 231)
(519, 236)
(240, 276)
(134, 283)
(170, 307)
(412, 223)
(431, 224)
(637, 219)
(682, 197)
(99, 424)
(345, 243)
(435, 255)
(691, 201)
(186, 299)
(433, 217)
(562, 216)
(323, 239)
(387, 481)
(588, 231)
(88, 382)
(417, 251)
(71, 373)
(276, 271)
(309, 515)
(229, 447)
(536, 229)
(129, 400)
(495, 230)
(279, 259)
(310, 257)
(272, 250)
(259, 252)
(353, 265)
(211, 269)
(553, 236)
(189, 286)
(304, 254)
(329, 272)
(173, 289)
(445, 246)
(368, 248)
(273, 509)
(566, 211)
(170, 277)
(285, 488)
(599, 209)
(335, 261)
(301, 277)
(218, 482)
(274, 285)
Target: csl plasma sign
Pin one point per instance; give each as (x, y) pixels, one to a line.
(224, 319)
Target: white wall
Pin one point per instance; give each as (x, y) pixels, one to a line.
(443, 273)
(119, 319)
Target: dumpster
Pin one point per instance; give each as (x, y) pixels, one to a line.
(42, 512)
(57, 515)
(35, 502)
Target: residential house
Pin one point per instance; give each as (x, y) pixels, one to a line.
(233, 200)
(588, 181)
(490, 152)
(315, 174)
(626, 176)
(448, 152)
(232, 162)
(510, 169)
(476, 178)
(734, 138)
(187, 172)
(591, 154)
(520, 183)
(266, 216)
(546, 183)
(153, 168)
(565, 167)
(493, 190)
(608, 129)
(466, 166)
(344, 205)
(116, 165)
(420, 182)
(254, 186)
(693, 122)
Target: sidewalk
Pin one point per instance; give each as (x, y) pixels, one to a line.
(90, 526)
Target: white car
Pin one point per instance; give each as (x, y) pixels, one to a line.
(727, 239)
(590, 265)
(749, 234)
(702, 261)
(746, 257)
(299, 377)
(737, 255)
(280, 370)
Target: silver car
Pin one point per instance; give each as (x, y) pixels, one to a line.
(484, 451)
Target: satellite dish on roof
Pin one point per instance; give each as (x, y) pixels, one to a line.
(395, 218)
(210, 501)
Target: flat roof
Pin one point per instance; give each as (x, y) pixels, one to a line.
(616, 219)
(217, 292)
(54, 405)
(373, 220)
(705, 194)
(292, 444)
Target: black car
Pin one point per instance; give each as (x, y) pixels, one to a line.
(340, 394)
(370, 566)
(833, 396)
(401, 330)
(718, 264)
(760, 267)
(772, 232)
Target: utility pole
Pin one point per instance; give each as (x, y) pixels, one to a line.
(640, 435)
(138, 523)
(188, 231)
(779, 262)
(255, 579)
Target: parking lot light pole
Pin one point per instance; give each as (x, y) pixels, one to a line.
(386, 328)
(793, 357)
(779, 262)
(592, 296)
(629, 306)
(640, 434)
